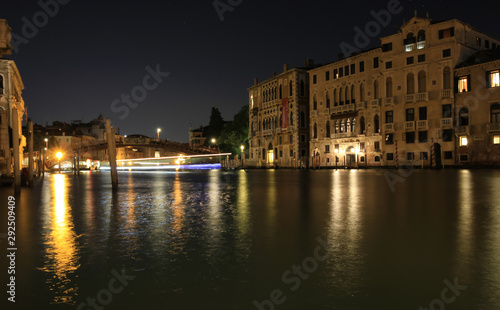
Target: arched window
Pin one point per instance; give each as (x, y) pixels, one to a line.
(1, 84)
(376, 124)
(328, 129)
(495, 113)
(290, 88)
(410, 84)
(341, 97)
(353, 98)
(388, 87)
(361, 92)
(353, 125)
(315, 103)
(276, 122)
(336, 129)
(422, 82)
(421, 36)
(281, 91)
(375, 90)
(302, 119)
(362, 125)
(348, 125)
(347, 101)
(315, 131)
(446, 78)
(291, 118)
(281, 121)
(302, 88)
(463, 117)
(342, 126)
(335, 99)
(327, 100)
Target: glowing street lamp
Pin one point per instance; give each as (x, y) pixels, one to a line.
(242, 155)
(59, 155)
(158, 132)
(356, 150)
(46, 143)
(336, 151)
(213, 143)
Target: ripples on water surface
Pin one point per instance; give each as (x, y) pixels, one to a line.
(220, 240)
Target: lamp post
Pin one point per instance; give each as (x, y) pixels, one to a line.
(158, 133)
(242, 155)
(356, 150)
(213, 143)
(46, 143)
(336, 151)
(59, 156)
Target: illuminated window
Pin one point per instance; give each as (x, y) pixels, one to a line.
(463, 84)
(495, 78)
(420, 45)
(409, 47)
(463, 141)
(496, 139)
(157, 154)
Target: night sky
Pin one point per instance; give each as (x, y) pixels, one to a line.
(91, 52)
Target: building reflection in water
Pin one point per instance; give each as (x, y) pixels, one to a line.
(62, 257)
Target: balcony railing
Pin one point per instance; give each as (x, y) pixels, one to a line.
(463, 130)
(344, 135)
(326, 111)
(389, 101)
(375, 103)
(422, 124)
(289, 128)
(445, 93)
(410, 98)
(348, 107)
(361, 106)
(422, 96)
(314, 113)
(267, 132)
(492, 127)
(389, 127)
(446, 122)
(409, 126)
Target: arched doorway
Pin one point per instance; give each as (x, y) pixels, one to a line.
(270, 154)
(436, 155)
(350, 157)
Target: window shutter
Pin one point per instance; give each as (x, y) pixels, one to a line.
(455, 84)
(488, 79)
(469, 86)
(440, 34)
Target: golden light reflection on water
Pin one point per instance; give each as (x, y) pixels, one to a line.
(243, 216)
(465, 212)
(62, 257)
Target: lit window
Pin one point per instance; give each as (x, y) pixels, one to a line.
(409, 47)
(420, 45)
(495, 78)
(463, 140)
(462, 84)
(496, 139)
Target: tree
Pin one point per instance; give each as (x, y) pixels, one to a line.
(215, 126)
(235, 133)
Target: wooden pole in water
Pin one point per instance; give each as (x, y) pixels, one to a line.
(15, 143)
(112, 153)
(30, 153)
(78, 162)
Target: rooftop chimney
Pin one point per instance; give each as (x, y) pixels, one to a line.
(309, 63)
(285, 67)
(255, 81)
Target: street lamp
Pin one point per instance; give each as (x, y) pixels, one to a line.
(356, 150)
(59, 155)
(46, 143)
(336, 151)
(158, 133)
(242, 155)
(213, 143)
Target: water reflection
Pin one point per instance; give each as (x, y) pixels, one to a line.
(62, 257)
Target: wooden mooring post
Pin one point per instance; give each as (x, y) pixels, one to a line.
(30, 153)
(110, 136)
(15, 144)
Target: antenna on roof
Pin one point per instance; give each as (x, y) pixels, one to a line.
(427, 14)
(415, 12)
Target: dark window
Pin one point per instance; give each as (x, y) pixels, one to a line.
(464, 157)
(390, 156)
(281, 153)
(463, 117)
(422, 113)
(302, 119)
(315, 131)
(291, 153)
(410, 137)
(291, 139)
(353, 68)
(341, 72)
(410, 156)
(446, 53)
(495, 113)
(478, 41)
(421, 58)
(446, 110)
(422, 136)
(446, 33)
(448, 135)
(361, 66)
(389, 117)
(281, 92)
(362, 146)
(302, 88)
(281, 140)
(448, 155)
(387, 47)
(410, 115)
(346, 69)
(424, 155)
(388, 65)
(1, 84)
(303, 138)
(377, 158)
(389, 138)
(409, 60)
(486, 43)
(327, 149)
(315, 79)
(335, 73)
(303, 152)
(327, 75)
(376, 146)
(493, 45)
(290, 86)
(375, 62)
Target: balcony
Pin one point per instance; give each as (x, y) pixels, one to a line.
(422, 125)
(361, 106)
(445, 93)
(493, 127)
(410, 98)
(375, 103)
(446, 123)
(410, 126)
(463, 130)
(267, 132)
(344, 135)
(314, 113)
(422, 96)
(289, 128)
(389, 127)
(326, 111)
(348, 107)
(389, 101)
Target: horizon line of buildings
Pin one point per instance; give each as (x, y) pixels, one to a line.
(429, 95)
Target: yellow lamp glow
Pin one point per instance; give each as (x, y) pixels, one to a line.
(59, 155)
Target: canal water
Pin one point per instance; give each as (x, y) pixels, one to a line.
(258, 239)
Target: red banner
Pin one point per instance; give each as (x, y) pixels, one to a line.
(284, 113)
